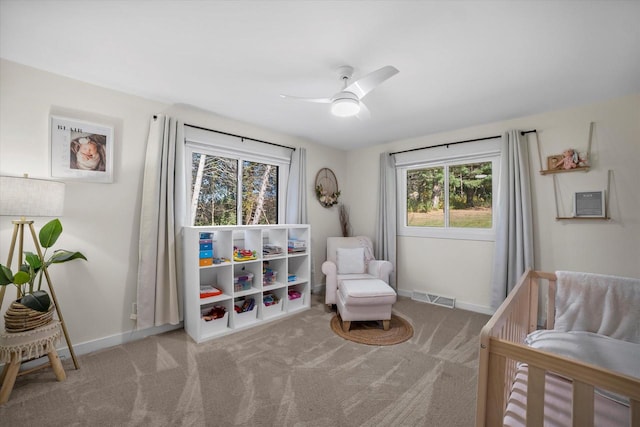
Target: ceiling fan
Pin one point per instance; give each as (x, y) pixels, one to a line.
(348, 102)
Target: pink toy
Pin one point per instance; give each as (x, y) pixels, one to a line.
(568, 160)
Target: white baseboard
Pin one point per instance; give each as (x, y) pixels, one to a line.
(459, 304)
(101, 344)
(474, 307)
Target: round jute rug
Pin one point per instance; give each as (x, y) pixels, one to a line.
(371, 332)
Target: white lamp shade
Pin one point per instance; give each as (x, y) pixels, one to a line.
(29, 197)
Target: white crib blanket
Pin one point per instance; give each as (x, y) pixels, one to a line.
(606, 305)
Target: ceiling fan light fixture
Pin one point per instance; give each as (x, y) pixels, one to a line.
(345, 107)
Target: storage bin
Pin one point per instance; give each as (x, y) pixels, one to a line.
(295, 303)
(241, 319)
(269, 278)
(206, 254)
(214, 326)
(243, 283)
(272, 310)
(206, 246)
(206, 261)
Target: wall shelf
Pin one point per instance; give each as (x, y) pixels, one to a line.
(576, 169)
(585, 218)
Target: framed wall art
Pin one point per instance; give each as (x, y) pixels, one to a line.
(81, 150)
(327, 191)
(554, 162)
(589, 204)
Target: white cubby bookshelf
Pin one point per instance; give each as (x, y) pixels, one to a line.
(293, 274)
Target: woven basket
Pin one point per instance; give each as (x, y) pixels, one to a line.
(20, 318)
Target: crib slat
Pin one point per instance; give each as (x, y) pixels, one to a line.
(533, 304)
(551, 304)
(582, 411)
(495, 390)
(634, 406)
(535, 396)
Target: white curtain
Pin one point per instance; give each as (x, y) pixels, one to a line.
(514, 223)
(162, 215)
(296, 210)
(386, 227)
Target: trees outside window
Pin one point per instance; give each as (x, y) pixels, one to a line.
(450, 196)
(229, 191)
(259, 193)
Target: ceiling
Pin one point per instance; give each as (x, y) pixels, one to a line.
(461, 63)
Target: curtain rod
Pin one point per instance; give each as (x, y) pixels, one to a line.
(242, 138)
(458, 142)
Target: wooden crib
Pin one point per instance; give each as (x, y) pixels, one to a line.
(503, 353)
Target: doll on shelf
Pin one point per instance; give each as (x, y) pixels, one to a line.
(569, 160)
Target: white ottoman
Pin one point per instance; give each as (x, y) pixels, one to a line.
(365, 299)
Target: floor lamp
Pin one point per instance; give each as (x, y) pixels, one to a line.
(29, 197)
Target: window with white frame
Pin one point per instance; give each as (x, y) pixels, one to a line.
(232, 181)
(448, 192)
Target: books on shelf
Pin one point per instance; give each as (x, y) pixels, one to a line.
(207, 291)
(294, 245)
(271, 250)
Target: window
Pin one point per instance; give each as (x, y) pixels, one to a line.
(449, 195)
(232, 186)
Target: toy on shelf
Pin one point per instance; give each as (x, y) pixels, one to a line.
(268, 274)
(247, 305)
(583, 160)
(269, 277)
(217, 312)
(270, 299)
(569, 159)
(243, 283)
(293, 294)
(243, 254)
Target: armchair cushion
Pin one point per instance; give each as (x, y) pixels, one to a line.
(350, 260)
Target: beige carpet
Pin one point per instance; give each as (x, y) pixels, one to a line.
(294, 371)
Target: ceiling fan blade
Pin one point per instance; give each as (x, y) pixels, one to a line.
(366, 84)
(364, 113)
(301, 98)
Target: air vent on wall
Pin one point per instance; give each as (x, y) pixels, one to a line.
(433, 299)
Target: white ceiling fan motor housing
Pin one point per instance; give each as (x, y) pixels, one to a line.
(345, 104)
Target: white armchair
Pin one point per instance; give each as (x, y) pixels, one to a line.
(351, 258)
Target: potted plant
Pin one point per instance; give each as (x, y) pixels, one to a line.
(28, 279)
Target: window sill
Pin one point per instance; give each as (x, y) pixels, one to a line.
(448, 233)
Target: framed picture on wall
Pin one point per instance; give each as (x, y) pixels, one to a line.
(81, 150)
(589, 204)
(554, 162)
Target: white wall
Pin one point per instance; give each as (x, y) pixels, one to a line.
(102, 220)
(462, 269)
